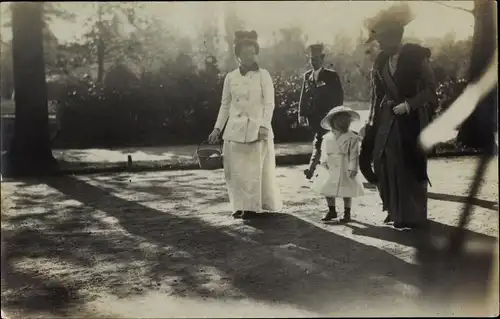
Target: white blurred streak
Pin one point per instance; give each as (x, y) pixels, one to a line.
(444, 127)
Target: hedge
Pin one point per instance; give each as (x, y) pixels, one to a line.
(172, 108)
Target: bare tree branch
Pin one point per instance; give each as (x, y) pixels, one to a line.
(442, 3)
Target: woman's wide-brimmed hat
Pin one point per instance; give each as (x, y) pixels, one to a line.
(396, 16)
(325, 122)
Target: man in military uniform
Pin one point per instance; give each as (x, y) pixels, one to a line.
(321, 91)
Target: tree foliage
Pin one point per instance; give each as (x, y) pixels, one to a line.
(51, 11)
(157, 85)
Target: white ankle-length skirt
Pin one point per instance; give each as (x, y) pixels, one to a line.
(250, 172)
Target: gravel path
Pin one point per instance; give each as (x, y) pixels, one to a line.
(161, 244)
(170, 153)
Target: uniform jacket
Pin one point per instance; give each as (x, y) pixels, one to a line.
(319, 97)
(247, 104)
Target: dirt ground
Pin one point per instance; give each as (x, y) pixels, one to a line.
(162, 244)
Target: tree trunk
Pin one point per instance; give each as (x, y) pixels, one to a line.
(484, 40)
(100, 61)
(100, 47)
(478, 130)
(30, 152)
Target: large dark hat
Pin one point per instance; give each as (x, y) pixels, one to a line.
(316, 49)
(395, 17)
(245, 36)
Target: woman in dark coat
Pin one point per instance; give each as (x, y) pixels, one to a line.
(403, 97)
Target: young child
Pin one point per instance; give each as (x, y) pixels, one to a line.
(338, 170)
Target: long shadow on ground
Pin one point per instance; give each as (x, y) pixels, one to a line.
(443, 271)
(282, 259)
(438, 230)
(38, 294)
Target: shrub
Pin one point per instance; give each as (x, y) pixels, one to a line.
(448, 92)
(179, 107)
(165, 108)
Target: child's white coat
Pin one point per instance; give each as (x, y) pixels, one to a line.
(340, 156)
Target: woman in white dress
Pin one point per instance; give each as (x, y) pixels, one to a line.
(246, 112)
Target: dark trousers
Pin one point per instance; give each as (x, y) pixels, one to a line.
(316, 153)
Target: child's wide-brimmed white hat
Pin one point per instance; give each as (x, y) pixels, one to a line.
(325, 122)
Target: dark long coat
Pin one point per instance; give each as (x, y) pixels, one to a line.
(416, 91)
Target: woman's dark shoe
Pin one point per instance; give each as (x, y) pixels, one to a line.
(410, 225)
(248, 215)
(332, 214)
(347, 216)
(399, 225)
(237, 214)
(402, 226)
(421, 225)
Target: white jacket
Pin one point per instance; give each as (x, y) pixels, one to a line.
(247, 104)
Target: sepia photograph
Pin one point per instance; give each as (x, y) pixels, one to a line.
(249, 159)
